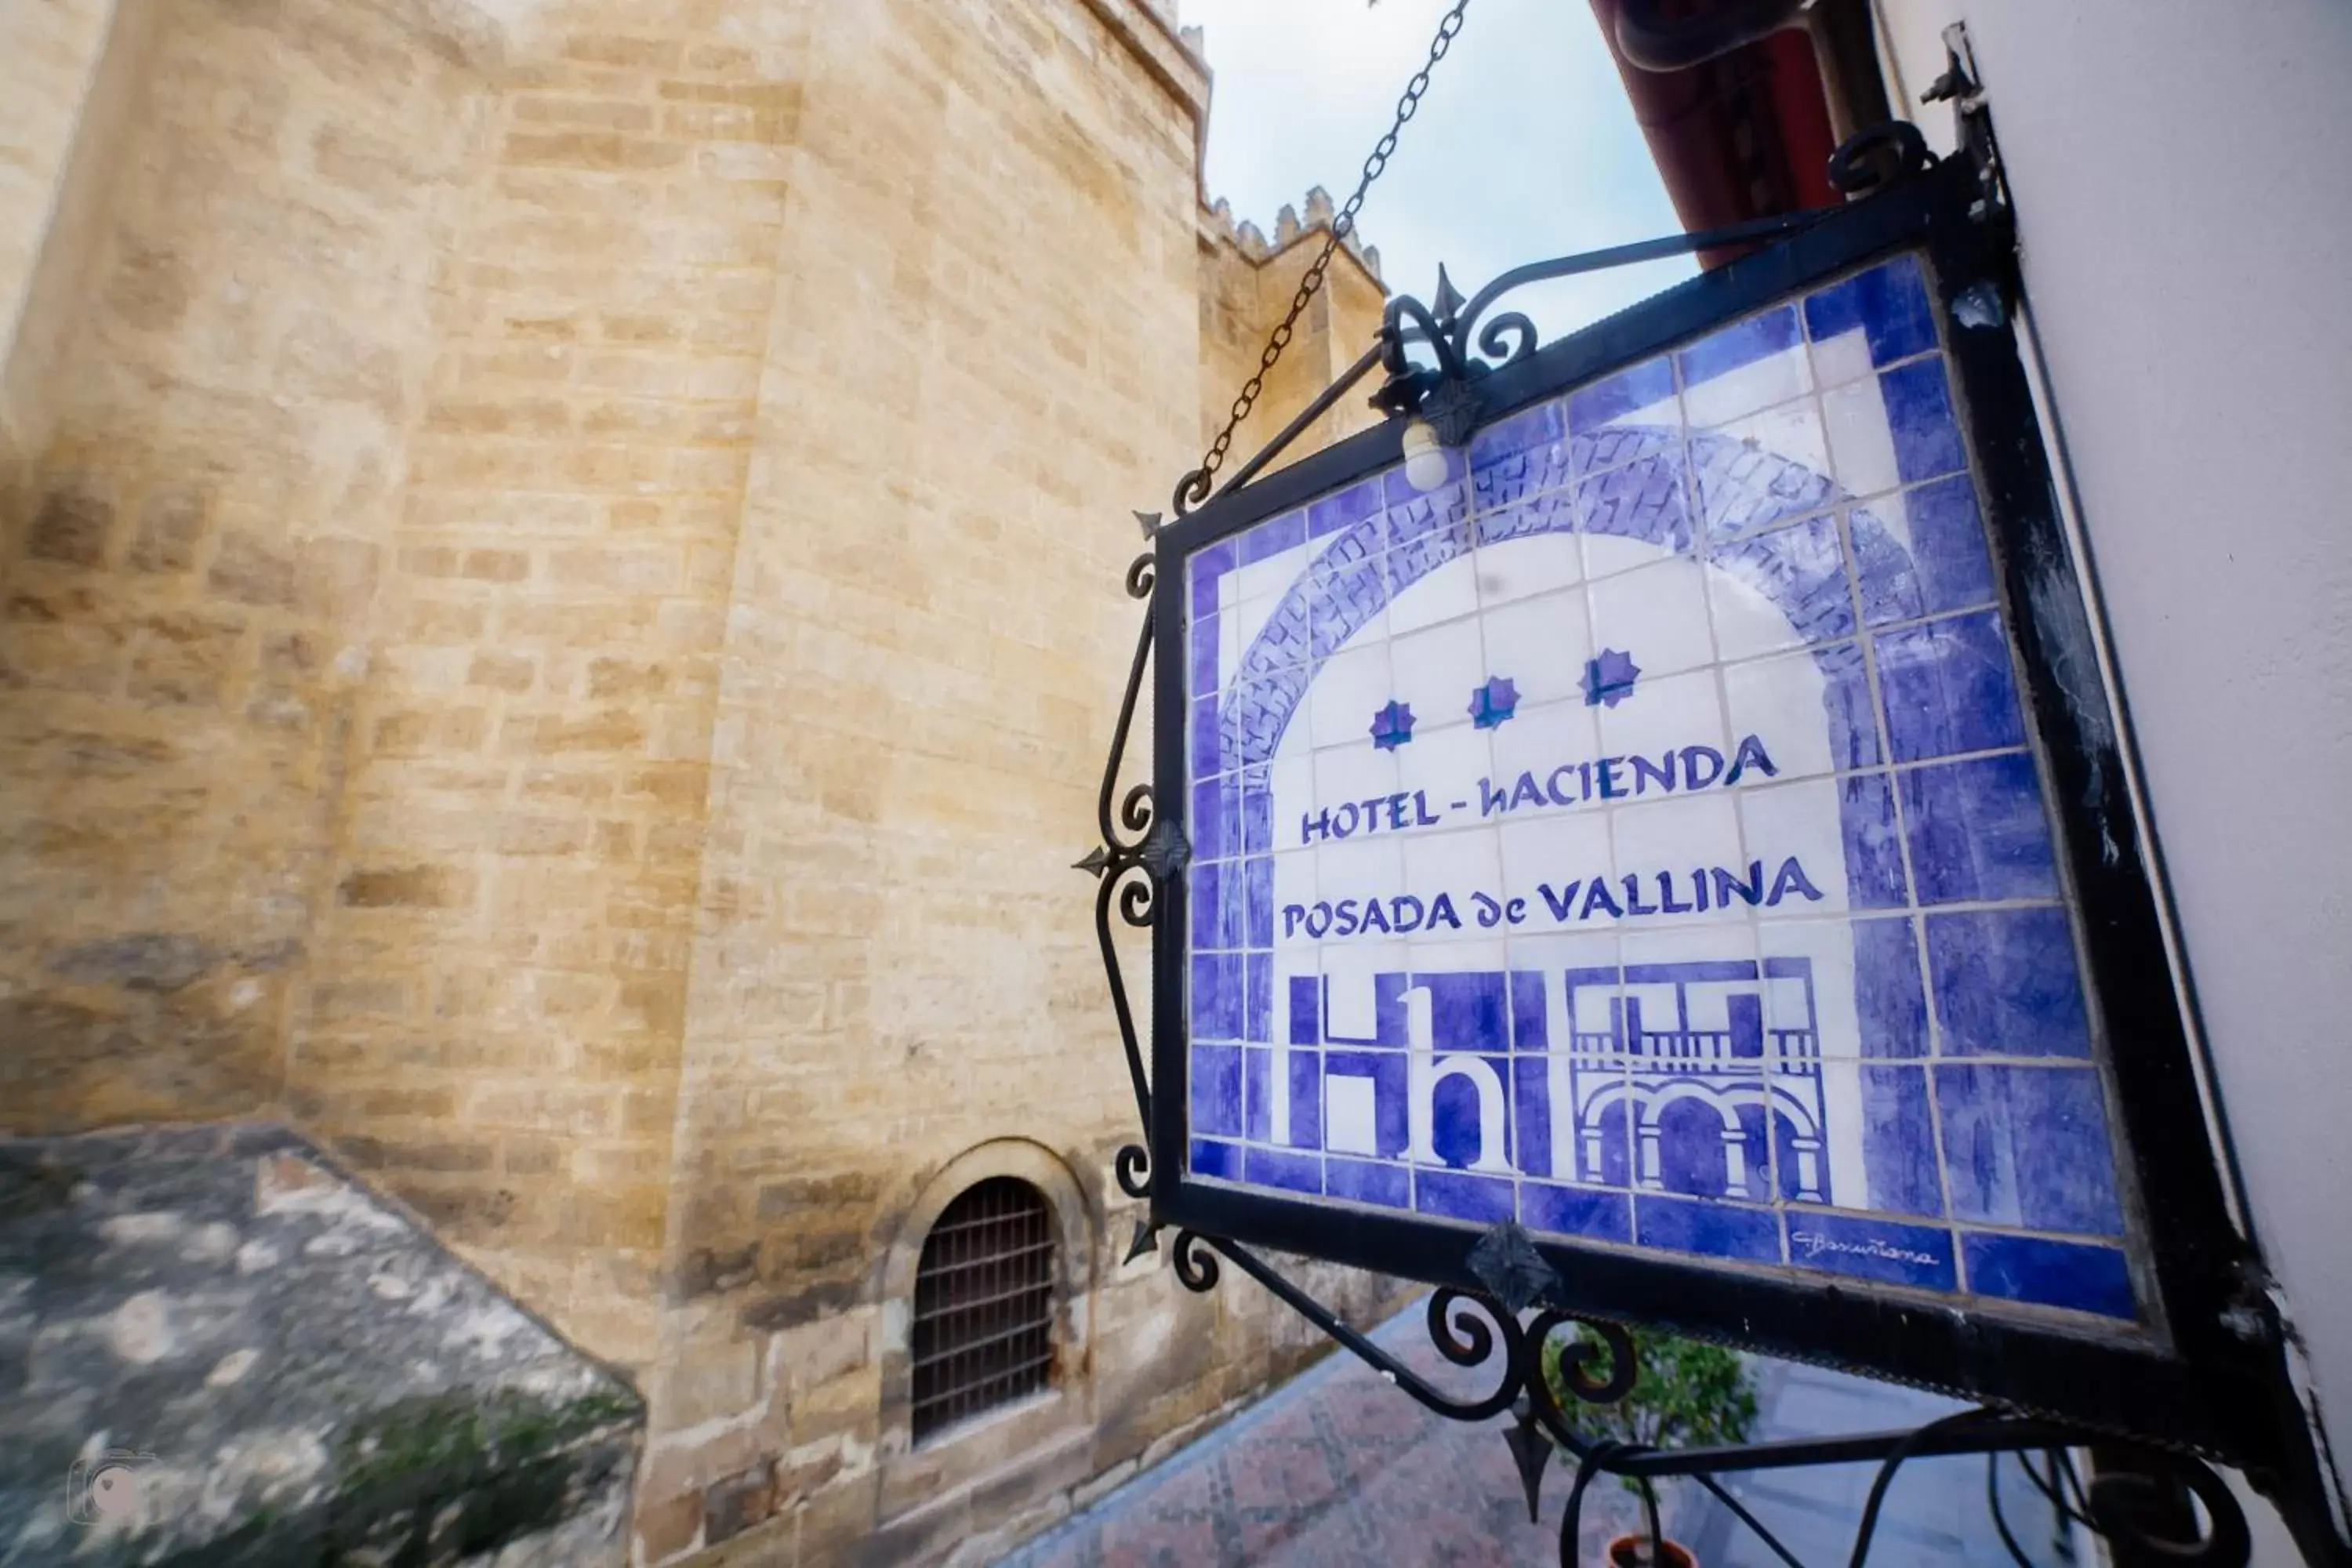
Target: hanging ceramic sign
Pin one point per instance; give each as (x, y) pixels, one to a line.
(1683, 821)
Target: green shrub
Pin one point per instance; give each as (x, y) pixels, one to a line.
(1684, 1393)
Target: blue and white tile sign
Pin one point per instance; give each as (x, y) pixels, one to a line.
(1633, 831)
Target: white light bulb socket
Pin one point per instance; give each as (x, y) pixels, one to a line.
(1424, 459)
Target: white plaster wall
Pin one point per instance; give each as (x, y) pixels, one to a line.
(2183, 175)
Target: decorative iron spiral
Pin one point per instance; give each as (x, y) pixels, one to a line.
(1507, 339)
(1196, 1266)
(1138, 895)
(1132, 1166)
(1577, 1358)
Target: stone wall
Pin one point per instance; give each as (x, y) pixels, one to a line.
(1247, 284)
(187, 560)
(561, 611)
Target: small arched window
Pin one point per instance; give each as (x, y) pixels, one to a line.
(983, 1304)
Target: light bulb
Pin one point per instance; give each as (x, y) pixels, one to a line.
(1424, 459)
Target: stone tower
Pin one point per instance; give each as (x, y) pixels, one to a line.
(559, 610)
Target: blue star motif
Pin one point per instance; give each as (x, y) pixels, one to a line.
(1392, 726)
(1610, 679)
(1493, 702)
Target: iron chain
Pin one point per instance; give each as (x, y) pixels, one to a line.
(1194, 488)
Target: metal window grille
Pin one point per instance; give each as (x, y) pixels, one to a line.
(983, 1304)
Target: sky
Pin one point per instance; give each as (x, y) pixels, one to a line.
(1524, 147)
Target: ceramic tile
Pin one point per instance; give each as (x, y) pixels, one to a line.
(1780, 590)
(1215, 896)
(1359, 868)
(1436, 525)
(1290, 777)
(1536, 565)
(1811, 710)
(1257, 811)
(1436, 670)
(1558, 865)
(1363, 1182)
(1208, 740)
(1870, 320)
(1519, 457)
(1921, 552)
(1257, 1095)
(1272, 630)
(1220, 1160)
(1304, 1008)
(1467, 1102)
(1586, 1213)
(1676, 715)
(1547, 859)
(1257, 897)
(1205, 644)
(1918, 401)
(1540, 516)
(1345, 774)
(1350, 688)
(1282, 1097)
(1646, 498)
(1344, 509)
(1531, 1085)
(1655, 615)
(1874, 877)
(1796, 847)
(2006, 985)
(1459, 862)
(1662, 845)
(1281, 1168)
(1872, 1249)
(1844, 989)
(1217, 1088)
(2027, 1146)
(1216, 996)
(1213, 824)
(1272, 537)
(1948, 689)
(1346, 599)
(1363, 983)
(1205, 574)
(1710, 1147)
(1751, 364)
(1977, 832)
(1900, 1173)
(1644, 391)
(1716, 1230)
(1540, 738)
(2050, 1273)
(1351, 1077)
(1447, 592)
(1443, 777)
(1889, 1005)
(1540, 645)
(1350, 1115)
(1762, 469)
(1808, 1162)
(1861, 440)
(1484, 1200)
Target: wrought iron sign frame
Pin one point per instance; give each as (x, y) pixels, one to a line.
(2205, 1375)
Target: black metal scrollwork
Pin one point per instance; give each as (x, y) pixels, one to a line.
(1139, 853)
(1142, 852)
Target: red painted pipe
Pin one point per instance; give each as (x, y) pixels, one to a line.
(1742, 135)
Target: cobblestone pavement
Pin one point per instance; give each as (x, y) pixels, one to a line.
(1339, 1467)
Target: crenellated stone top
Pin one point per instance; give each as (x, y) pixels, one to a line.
(1289, 228)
